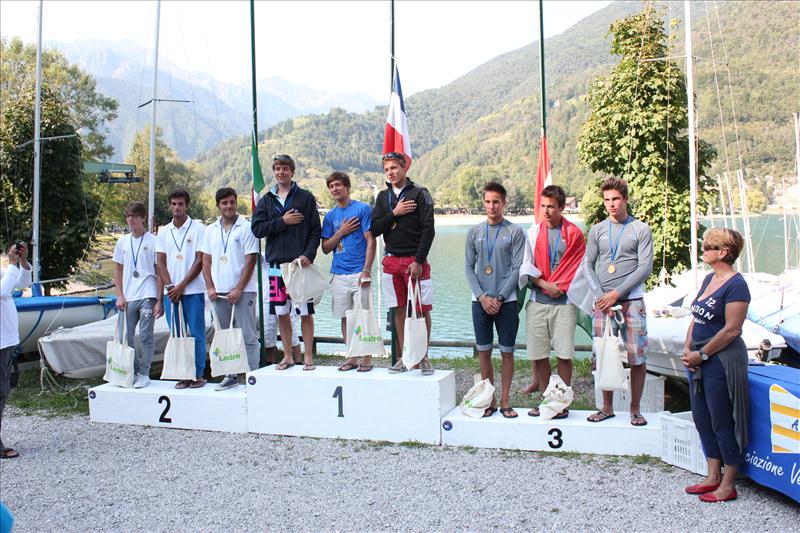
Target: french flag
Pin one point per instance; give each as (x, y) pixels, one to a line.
(544, 177)
(395, 137)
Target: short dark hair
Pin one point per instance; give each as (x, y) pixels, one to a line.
(135, 209)
(615, 184)
(554, 191)
(224, 193)
(397, 156)
(283, 158)
(494, 186)
(179, 193)
(338, 176)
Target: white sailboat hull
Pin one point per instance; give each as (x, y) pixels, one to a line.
(35, 323)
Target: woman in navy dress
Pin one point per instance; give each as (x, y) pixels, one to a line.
(715, 358)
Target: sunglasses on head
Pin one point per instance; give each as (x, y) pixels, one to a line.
(394, 155)
(282, 157)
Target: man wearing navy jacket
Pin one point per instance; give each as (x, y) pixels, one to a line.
(288, 217)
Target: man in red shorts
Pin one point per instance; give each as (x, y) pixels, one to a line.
(403, 214)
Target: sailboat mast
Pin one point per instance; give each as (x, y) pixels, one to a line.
(692, 146)
(541, 68)
(151, 182)
(391, 46)
(37, 147)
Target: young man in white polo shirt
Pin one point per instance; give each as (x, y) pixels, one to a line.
(230, 251)
(179, 263)
(138, 287)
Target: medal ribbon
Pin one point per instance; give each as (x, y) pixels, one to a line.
(399, 198)
(490, 251)
(286, 203)
(172, 232)
(613, 248)
(222, 236)
(135, 256)
(554, 253)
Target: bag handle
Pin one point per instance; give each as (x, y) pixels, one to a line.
(413, 297)
(122, 324)
(215, 317)
(177, 324)
(360, 297)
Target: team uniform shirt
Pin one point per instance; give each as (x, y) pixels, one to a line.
(632, 245)
(559, 246)
(709, 314)
(137, 255)
(507, 243)
(234, 244)
(183, 242)
(350, 253)
(13, 278)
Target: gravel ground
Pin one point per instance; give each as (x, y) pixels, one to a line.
(78, 476)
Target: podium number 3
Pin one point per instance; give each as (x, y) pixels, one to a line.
(557, 441)
(338, 394)
(164, 418)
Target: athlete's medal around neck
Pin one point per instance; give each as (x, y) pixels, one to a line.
(488, 269)
(135, 255)
(179, 256)
(613, 247)
(224, 258)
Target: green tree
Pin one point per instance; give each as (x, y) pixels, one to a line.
(68, 205)
(637, 130)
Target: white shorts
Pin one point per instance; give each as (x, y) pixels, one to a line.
(271, 329)
(344, 291)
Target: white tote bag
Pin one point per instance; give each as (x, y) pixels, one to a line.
(363, 332)
(228, 353)
(120, 356)
(415, 333)
(610, 350)
(557, 397)
(179, 353)
(478, 398)
(303, 283)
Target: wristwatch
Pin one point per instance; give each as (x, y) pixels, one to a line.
(500, 298)
(703, 355)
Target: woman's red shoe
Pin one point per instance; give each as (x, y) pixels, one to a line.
(710, 498)
(701, 489)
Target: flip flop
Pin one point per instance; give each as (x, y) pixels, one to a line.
(311, 366)
(508, 412)
(284, 366)
(8, 453)
(348, 366)
(364, 368)
(560, 416)
(600, 416)
(183, 384)
(196, 384)
(489, 412)
(534, 412)
(638, 420)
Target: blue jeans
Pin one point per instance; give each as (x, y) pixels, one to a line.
(506, 322)
(194, 312)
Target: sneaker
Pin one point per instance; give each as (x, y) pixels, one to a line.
(228, 382)
(426, 367)
(141, 381)
(397, 368)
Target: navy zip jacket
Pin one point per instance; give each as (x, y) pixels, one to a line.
(413, 233)
(285, 243)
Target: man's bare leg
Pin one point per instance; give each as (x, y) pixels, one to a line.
(350, 360)
(399, 324)
(638, 375)
(487, 370)
(565, 370)
(307, 328)
(506, 377)
(285, 327)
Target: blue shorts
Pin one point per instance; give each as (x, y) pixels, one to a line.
(506, 322)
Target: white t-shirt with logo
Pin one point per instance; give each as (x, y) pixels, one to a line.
(137, 255)
(183, 242)
(234, 245)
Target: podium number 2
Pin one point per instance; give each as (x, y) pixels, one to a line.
(338, 394)
(557, 442)
(164, 418)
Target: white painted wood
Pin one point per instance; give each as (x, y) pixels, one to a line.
(375, 405)
(202, 408)
(615, 436)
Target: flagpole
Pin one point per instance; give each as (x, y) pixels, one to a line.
(391, 45)
(541, 68)
(255, 140)
(390, 319)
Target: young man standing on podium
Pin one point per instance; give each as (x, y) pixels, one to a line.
(179, 263)
(492, 258)
(403, 214)
(346, 233)
(619, 254)
(230, 252)
(289, 219)
(138, 287)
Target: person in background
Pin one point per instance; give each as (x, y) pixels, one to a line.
(230, 252)
(16, 276)
(179, 263)
(138, 287)
(403, 214)
(619, 256)
(493, 254)
(715, 357)
(289, 219)
(346, 233)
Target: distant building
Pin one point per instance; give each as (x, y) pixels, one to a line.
(571, 205)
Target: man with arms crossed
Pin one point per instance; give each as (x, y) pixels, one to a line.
(492, 257)
(619, 254)
(346, 233)
(288, 217)
(553, 251)
(403, 214)
(138, 287)
(179, 263)
(230, 252)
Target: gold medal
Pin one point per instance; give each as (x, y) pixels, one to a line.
(223, 259)
(488, 270)
(340, 247)
(611, 268)
(394, 225)
(179, 257)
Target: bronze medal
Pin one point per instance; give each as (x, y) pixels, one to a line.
(488, 270)
(340, 247)
(179, 258)
(135, 273)
(223, 259)
(394, 225)
(611, 268)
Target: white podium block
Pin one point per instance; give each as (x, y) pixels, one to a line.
(615, 436)
(372, 405)
(162, 405)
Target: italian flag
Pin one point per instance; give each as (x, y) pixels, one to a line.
(544, 177)
(258, 177)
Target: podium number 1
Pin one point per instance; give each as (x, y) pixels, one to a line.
(338, 394)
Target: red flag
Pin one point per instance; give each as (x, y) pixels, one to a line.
(544, 177)
(395, 137)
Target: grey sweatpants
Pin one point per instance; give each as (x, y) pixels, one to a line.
(141, 312)
(5, 383)
(246, 319)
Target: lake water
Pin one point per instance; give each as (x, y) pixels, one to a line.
(452, 315)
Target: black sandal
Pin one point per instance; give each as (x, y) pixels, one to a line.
(508, 412)
(489, 412)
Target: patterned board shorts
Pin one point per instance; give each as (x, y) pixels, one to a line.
(633, 330)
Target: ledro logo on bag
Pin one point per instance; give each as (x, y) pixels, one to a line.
(118, 369)
(226, 357)
(366, 338)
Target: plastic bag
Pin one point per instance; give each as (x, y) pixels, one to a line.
(303, 284)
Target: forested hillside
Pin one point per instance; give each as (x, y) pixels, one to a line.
(487, 122)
